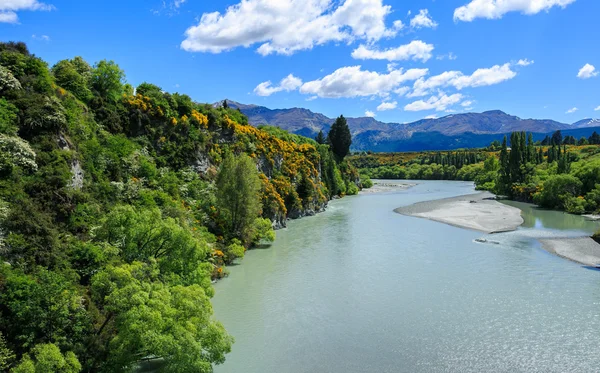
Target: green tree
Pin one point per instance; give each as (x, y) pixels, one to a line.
(145, 235)
(557, 138)
(320, 139)
(557, 190)
(340, 138)
(67, 76)
(6, 355)
(238, 199)
(107, 80)
(153, 318)
(48, 358)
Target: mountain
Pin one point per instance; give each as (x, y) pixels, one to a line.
(586, 123)
(448, 132)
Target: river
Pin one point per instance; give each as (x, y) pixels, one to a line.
(360, 288)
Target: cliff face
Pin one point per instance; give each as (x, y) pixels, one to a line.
(290, 170)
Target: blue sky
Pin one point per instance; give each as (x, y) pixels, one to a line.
(399, 60)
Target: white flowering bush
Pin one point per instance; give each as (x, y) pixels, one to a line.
(50, 115)
(7, 80)
(16, 152)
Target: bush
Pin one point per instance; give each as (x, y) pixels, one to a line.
(556, 190)
(351, 189)
(366, 181)
(575, 205)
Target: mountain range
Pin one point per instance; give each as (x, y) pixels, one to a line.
(448, 132)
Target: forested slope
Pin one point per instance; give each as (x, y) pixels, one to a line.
(118, 206)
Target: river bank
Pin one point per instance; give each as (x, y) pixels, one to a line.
(583, 250)
(480, 212)
(382, 186)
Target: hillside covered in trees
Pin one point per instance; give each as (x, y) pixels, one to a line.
(119, 205)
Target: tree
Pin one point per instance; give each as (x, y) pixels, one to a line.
(556, 190)
(238, 200)
(6, 355)
(107, 80)
(594, 139)
(582, 141)
(48, 358)
(340, 138)
(68, 77)
(154, 318)
(320, 139)
(557, 138)
(145, 235)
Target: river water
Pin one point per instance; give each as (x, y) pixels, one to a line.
(360, 288)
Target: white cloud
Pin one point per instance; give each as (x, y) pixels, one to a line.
(352, 81)
(572, 110)
(467, 103)
(422, 20)
(288, 26)
(312, 98)
(432, 116)
(597, 109)
(177, 3)
(439, 103)
(9, 9)
(495, 9)
(41, 37)
(587, 71)
(481, 77)
(289, 83)
(525, 62)
(387, 106)
(415, 50)
(401, 91)
(451, 56)
(370, 114)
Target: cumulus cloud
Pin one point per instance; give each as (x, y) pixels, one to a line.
(440, 102)
(352, 81)
(525, 62)
(289, 83)
(587, 71)
(370, 114)
(415, 50)
(495, 9)
(423, 20)
(572, 110)
(387, 106)
(481, 77)
(288, 26)
(467, 103)
(9, 9)
(432, 116)
(402, 91)
(597, 109)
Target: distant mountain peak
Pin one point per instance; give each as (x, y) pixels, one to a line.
(448, 132)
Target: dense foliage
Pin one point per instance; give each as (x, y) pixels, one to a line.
(456, 165)
(559, 176)
(118, 206)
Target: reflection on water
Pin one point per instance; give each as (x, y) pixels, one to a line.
(537, 218)
(360, 288)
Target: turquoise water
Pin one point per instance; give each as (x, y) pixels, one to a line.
(360, 288)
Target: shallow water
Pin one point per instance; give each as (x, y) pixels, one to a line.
(360, 288)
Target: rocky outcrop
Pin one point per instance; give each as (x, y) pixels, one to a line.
(76, 169)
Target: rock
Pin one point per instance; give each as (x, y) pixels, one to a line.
(77, 175)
